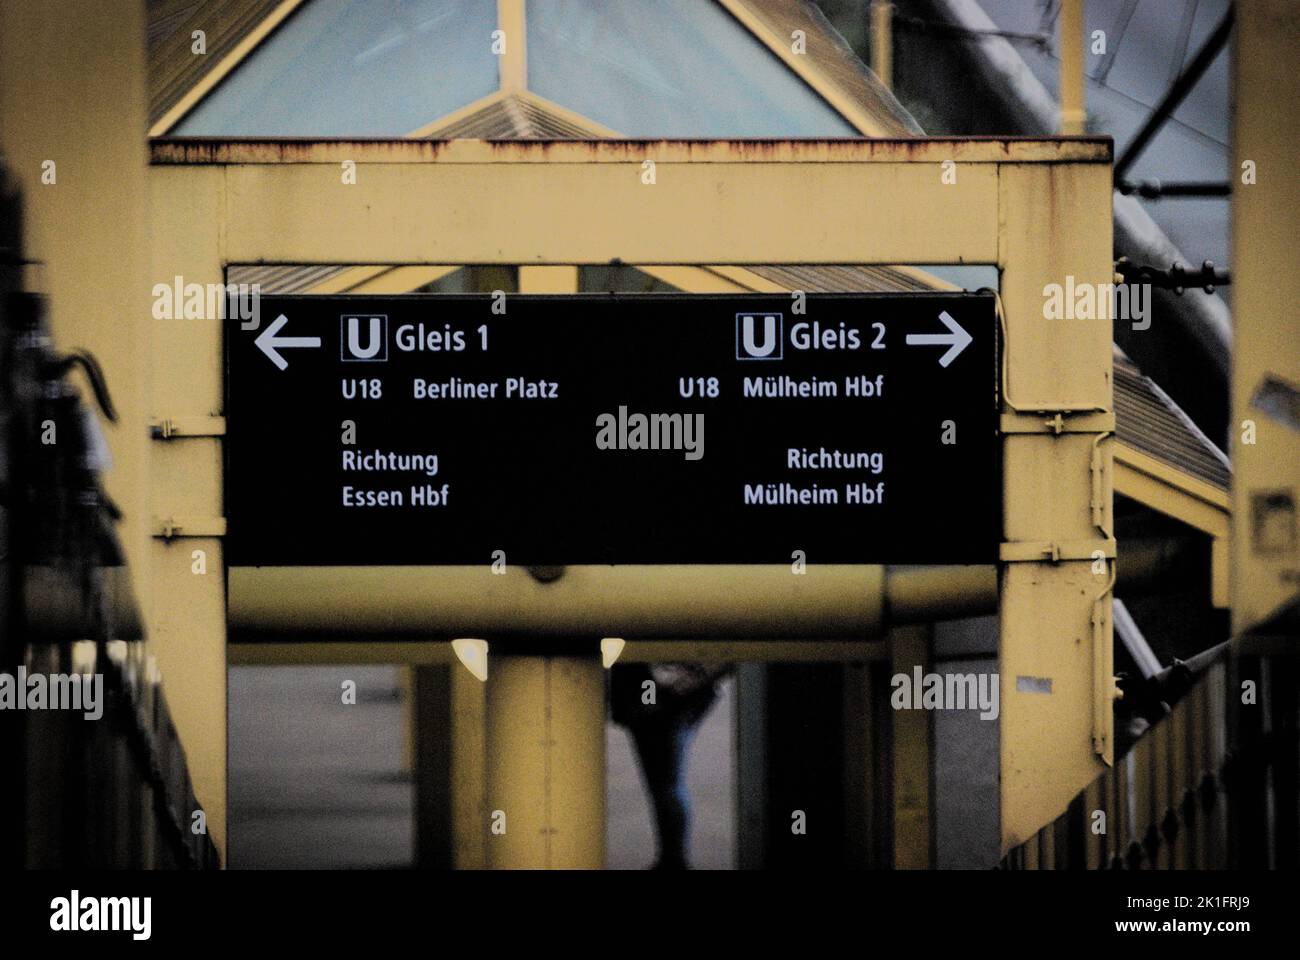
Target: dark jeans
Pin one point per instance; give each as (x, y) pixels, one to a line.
(664, 750)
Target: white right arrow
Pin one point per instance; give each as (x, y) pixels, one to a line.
(956, 339)
(268, 342)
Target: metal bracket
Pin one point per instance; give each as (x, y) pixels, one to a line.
(1048, 551)
(1057, 422)
(168, 528)
(168, 427)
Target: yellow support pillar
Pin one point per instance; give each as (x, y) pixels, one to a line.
(882, 41)
(1055, 657)
(513, 58)
(545, 733)
(1074, 113)
(187, 564)
(546, 763)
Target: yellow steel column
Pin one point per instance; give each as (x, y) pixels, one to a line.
(72, 116)
(882, 41)
(1074, 112)
(187, 562)
(546, 734)
(1265, 427)
(1055, 632)
(513, 58)
(546, 763)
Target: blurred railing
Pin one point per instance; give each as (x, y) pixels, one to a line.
(1210, 785)
(107, 792)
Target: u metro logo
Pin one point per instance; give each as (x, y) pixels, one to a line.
(363, 337)
(759, 336)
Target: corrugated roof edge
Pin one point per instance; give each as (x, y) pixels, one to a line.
(1177, 411)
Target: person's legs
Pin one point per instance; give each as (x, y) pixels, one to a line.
(663, 750)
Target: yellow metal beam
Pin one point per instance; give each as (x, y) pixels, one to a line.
(290, 652)
(444, 202)
(1183, 497)
(207, 151)
(1170, 491)
(737, 602)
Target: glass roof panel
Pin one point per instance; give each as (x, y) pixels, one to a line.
(672, 68)
(356, 68)
(1148, 43)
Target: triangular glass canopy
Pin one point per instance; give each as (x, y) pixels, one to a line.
(672, 68)
(390, 68)
(342, 68)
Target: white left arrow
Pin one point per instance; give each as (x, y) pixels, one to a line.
(956, 339)
(269, 343)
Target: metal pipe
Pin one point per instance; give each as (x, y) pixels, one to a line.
(1033, 110)
(585, 603)
(1176, 94)
(922, 594)
(1156, 189)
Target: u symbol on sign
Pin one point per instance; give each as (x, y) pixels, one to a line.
(769, 336)
(376, 339)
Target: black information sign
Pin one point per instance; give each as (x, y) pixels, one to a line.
(437, 429)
